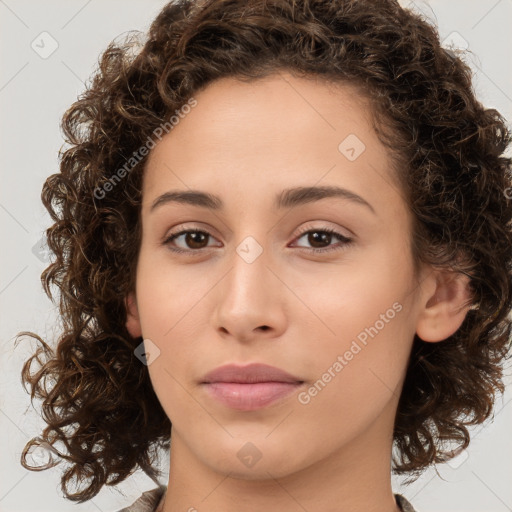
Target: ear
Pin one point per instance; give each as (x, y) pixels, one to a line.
(132, 316)
(445, 306)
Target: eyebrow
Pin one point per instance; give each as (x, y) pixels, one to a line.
(289, 198)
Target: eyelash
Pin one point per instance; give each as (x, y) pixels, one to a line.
(345, 241)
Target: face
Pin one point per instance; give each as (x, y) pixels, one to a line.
(321, 288)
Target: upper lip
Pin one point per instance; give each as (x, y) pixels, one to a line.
(252, 373)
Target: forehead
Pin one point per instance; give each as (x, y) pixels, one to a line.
(280, 105)
(269, 134)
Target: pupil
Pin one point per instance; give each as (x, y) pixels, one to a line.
(193, 236)
(314, 237)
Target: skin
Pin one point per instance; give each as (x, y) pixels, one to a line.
(246, 142)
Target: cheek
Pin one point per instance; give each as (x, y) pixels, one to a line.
(167, 292)
(361, 316)
(346, 299)
(358, 371)
(168, 386)
(172, 374)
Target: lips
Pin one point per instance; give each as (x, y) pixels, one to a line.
(249, 374)
(250, 387)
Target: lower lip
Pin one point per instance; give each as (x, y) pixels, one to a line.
(249, 397)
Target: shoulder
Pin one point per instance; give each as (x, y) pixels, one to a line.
(147, 502)
(404, 505)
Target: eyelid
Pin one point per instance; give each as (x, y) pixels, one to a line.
(182, 229)
(183, 226)
(335, 229)
(195, 226)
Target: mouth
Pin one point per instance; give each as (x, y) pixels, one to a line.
(250, 387)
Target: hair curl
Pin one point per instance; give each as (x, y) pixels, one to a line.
(448, 154)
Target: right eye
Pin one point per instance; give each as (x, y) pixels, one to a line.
(194, 238)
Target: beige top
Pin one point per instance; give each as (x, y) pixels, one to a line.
(153, 501)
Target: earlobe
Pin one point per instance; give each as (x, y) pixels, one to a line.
(132, 316)
(445, 310)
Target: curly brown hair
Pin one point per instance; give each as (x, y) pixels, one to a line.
(448, 153)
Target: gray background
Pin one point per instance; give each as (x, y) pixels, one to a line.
(35, 90)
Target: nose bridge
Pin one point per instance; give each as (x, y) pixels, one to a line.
(249, 255)
(249, 296)
(247, 279)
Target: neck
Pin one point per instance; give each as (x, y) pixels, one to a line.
(337, 483)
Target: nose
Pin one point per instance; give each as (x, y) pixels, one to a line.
(251, 300)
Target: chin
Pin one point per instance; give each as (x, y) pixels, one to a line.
(247, 459)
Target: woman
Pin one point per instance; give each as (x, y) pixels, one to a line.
(282, 238)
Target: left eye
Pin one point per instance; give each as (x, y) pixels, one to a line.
(315, 236)
(195, 239)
